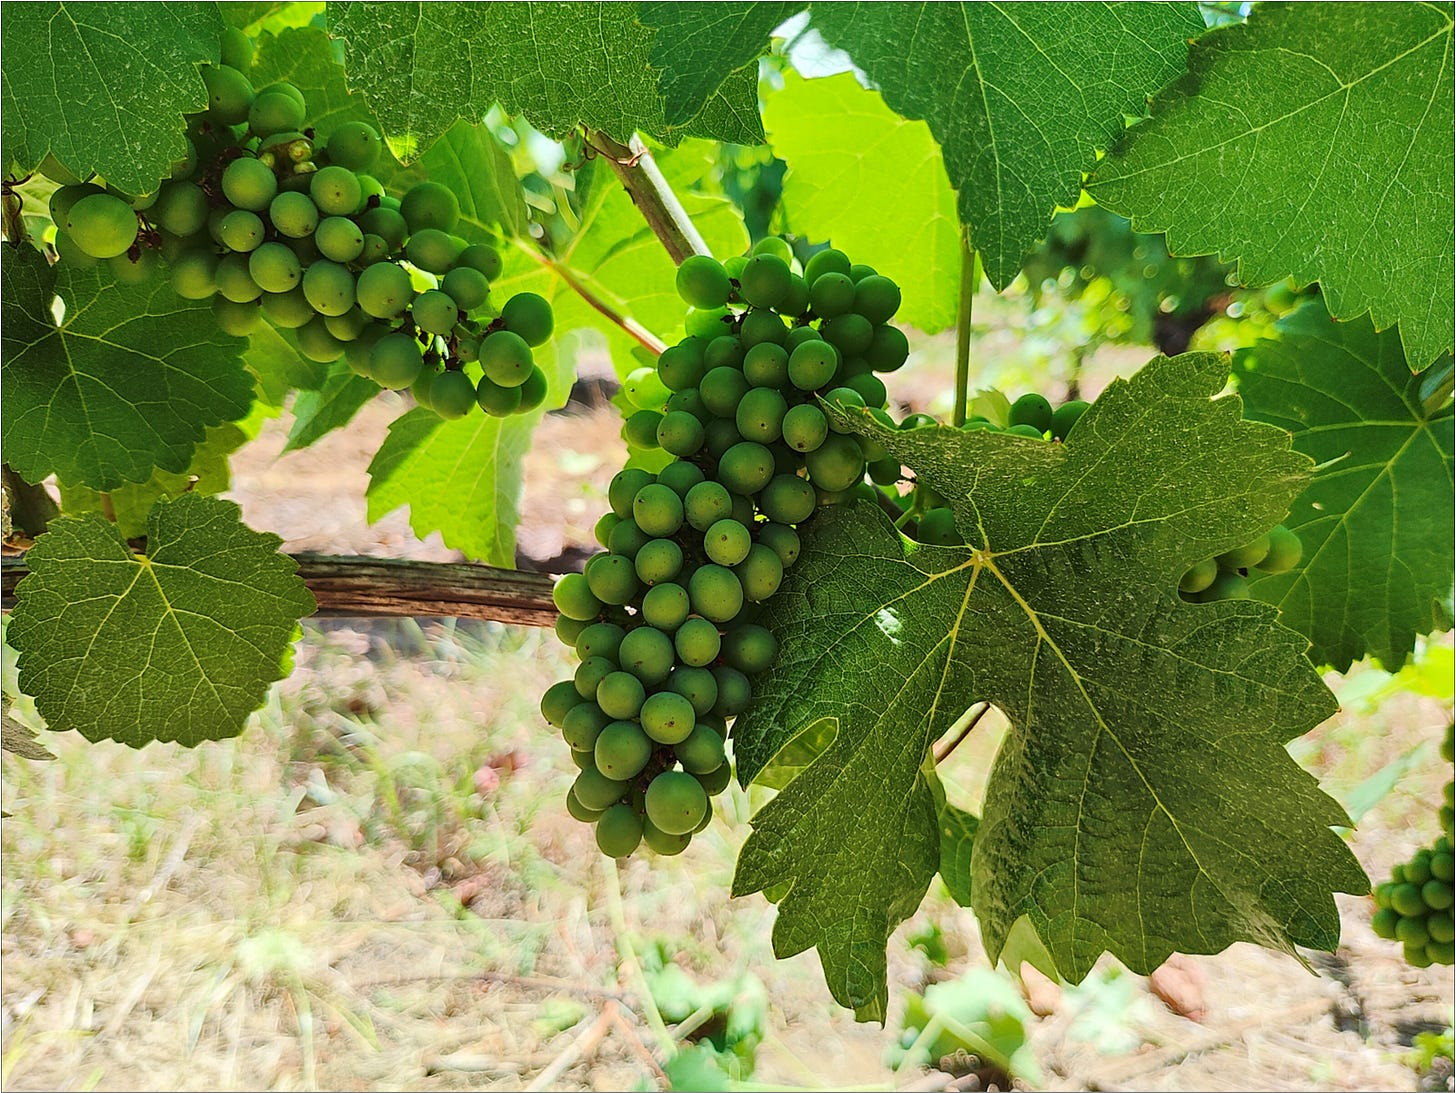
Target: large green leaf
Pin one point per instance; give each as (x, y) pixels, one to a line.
(128, 382)
(1142, 802)
(103, 86)
(871, 183)
(478, 170)
(1376, 520)
(698, 46)
(1020, 96)
(560, 65)
(332, 406)
(278, 367)
(176, 644)
(1313, 141)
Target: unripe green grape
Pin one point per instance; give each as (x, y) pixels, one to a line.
(760, 415)
(1384, 922)
(787, 499)
(573, 597)
(467, 287)
(483, 258)
(623, 488)
(764, 281)
(230, 94)
(640, 429)
(870, 388)
(237, 49)
(681, 366)
(435, 312)
(702, 282)
(938, 527)
(529, 316)
(772, 244)
(348, 326)
(578, 811)
(660, 842)
(716, 593)
(805, 428)
(724, 351)
(812, 365)
(599, 639)
(340, 239)
(358, 352)
(214, 224)
(603, 528)
(836, 464)
(648, 654)
(888, 349)
(612, 578)
(558, 701)
(64, 199)
(697, 642)
(702, 751)
(433, 250)
(234, 282)
(590, 673)
(707, 323)
(644, 389)
(676, 802)
(429, 205)
(884, 472)
(727, 542)
(665, 606)
(329, 287)
(697, 685)
(194, 275)
(1436, 894)
(657, 509)
(876, 298)
(294, 215)
(766, 365)
(734, 692)
(831, 295)
(679, 433)
(782, 540)
(850, 333)
(716, 781)
(275, 268)
(273, 112)
(101, 225)
(760, 573)
(628, 539)
(1226, 586)
(248, 184)
(1065, 416)
(354, 145)
(1440, 927)
(595, 790)
(388, 224)
(1199, 577)
(452, 395)
(1285, 551)
(237, 319)
(181, 208)
(1441, 864)
(375, 250)
(336, 191)
(706, 503)
(681, 476)
(495, 400)
(420, 391)
(750, 648)
(316, 343)
(288, 310)
(533, 391)
(583, 724)
(722, 389)
(762, 327)
(384, 290)
(242, 231)
(1418, 870)
(395, 362)
(622, 750)
(746, 467)
(1246, 556)
(825, 261)
(796, 300)
(1411, 931)
(1030, 432)
(1031, 409)
(506, 359)
(720, 435)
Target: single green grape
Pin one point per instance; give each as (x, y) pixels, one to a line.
(452, 394)
(1031, 409)
(850, 333)
(293, 214)
(762, 326)
(181, 208)
(275, 268)
(787, 499)
(336, 191)
(746, 467)
(101, 225)
(435, 312)
(235, 318)
(274, 112)
(1199, 577)
(467, 287)
(583, 724)
(750, 648)
(888, 350)
(506, 359)
(676, 802)
(612, 578)
(764, 281)
(1065, 416)
(836, 464)
(825, 261)
(533, 391)
(702, 282)
(622, 750)
(876, 298)
(329, 287)
(657, 560)
(1285, 551)
(386, 223)
(702, 752)
(384, 290)
(697, 642)
(237, 49)
(595, 790)
(483, 258)
(194, 275)
(395, 362)
(657, 509)
(666, 606)
(716, 593)
(812, 364)
(759, 574)
(1248, 555)
(648, 654)
(706, 503)
(230, 94)
(248, 184)
(289, 310)
(354, 145)
(640, 429)
(316, 343)
(782, 540)
(495, 400)
(433, 250)
(430, 205)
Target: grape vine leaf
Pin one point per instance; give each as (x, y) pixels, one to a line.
(129, 381)
(278, 367)
(477, 169)
(131, 502)
(1142, 801)
(103, 86)
(871, 183)
(1376, 519)
(177, 644)
(1313, 141)
(423, 65)
(332, 406)
(1020, 96)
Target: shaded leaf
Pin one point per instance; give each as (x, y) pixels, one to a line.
(179, 644)
(332, 406)
(1376, 520)
(1313, 141)
(1142, 802)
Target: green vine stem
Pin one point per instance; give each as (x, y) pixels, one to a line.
(659, 206)
(644, 337)
(970, 281)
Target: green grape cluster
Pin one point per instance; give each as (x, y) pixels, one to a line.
(926, 516)
(1414, 907)
(664, 620)
(1225, 577)
(271, 224)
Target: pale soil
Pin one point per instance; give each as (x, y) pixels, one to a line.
(376, 886)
